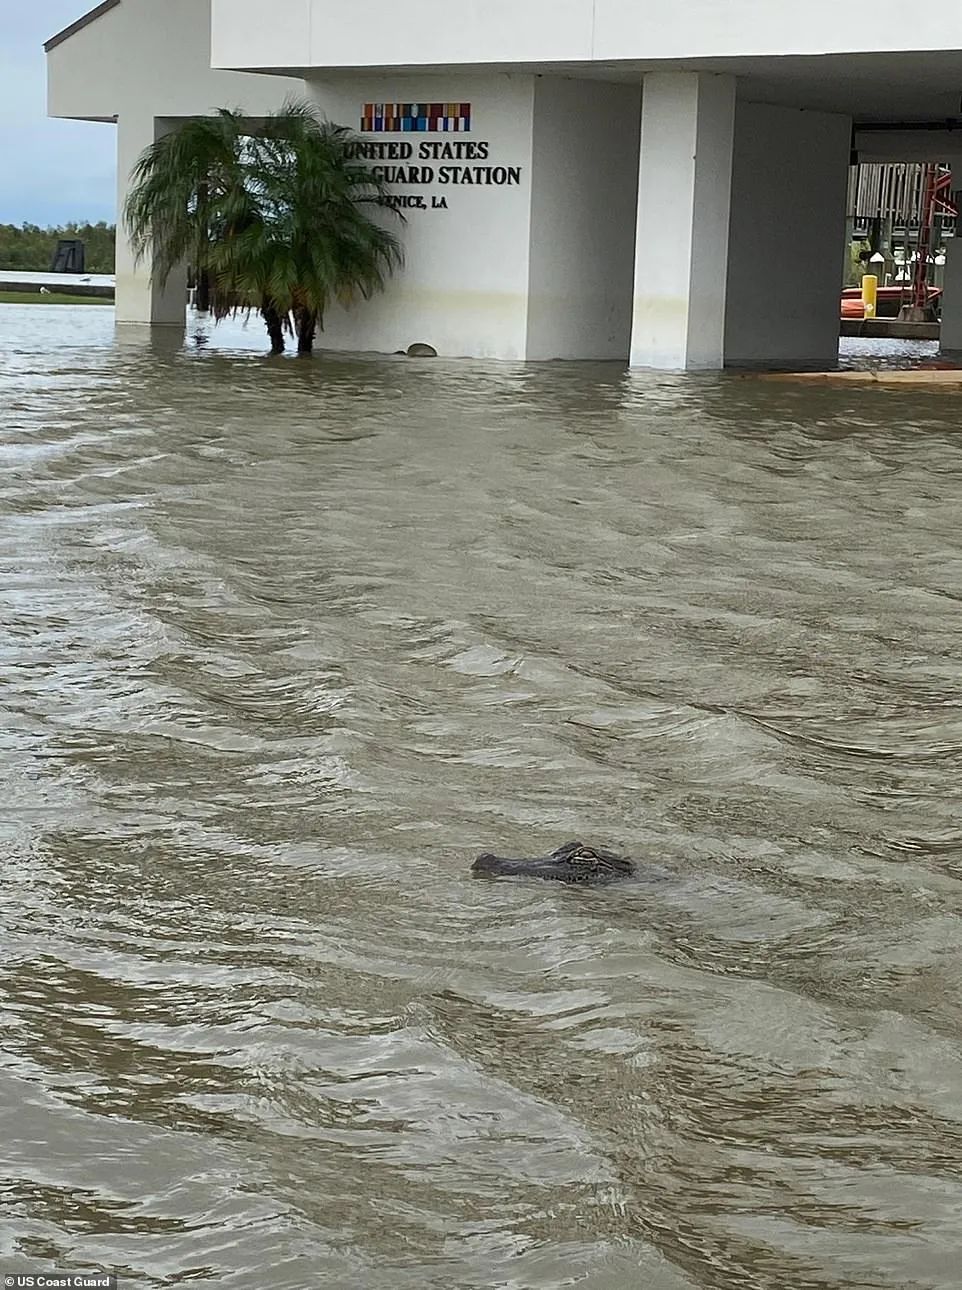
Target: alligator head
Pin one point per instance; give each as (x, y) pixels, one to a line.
(574, 862)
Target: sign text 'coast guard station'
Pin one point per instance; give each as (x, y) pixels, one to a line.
(587, 179)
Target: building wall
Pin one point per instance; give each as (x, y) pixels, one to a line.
(789, 178)
(464, 285)
(952, 299)
(426, 33)
(685, 29)
(584, 193)
(145, 59)
(147, 65)
(540, 266)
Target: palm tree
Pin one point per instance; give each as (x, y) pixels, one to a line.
(281, 218)
(188, 188)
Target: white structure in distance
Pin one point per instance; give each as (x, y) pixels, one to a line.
(581, 179)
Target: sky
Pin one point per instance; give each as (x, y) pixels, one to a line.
(50, 171)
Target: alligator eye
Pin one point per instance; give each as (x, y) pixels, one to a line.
(585, 860)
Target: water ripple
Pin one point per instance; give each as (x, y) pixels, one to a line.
(285, 644)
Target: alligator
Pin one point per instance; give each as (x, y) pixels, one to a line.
(574, 862)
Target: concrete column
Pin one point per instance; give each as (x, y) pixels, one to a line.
(787, 242)
(681, 259)
(584, 191)
(952, 298)
(140, 297)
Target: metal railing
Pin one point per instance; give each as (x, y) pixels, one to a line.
(889, 192)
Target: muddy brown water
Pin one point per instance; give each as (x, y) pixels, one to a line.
(284, 645)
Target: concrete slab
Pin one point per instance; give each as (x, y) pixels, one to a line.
(889, 329)
(924, 376)
(100, 285)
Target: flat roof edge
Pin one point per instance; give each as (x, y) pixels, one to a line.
(74, 27)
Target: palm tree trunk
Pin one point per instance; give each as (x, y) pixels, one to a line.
(202, 298)
(275, 326)
(306, 330)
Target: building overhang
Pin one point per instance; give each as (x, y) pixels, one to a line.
(582, 37)
(143, 49)
(874, 89)
(143, 59)
(84, 21)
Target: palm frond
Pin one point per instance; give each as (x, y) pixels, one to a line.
(282, 215)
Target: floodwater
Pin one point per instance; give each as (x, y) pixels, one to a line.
(285, 644)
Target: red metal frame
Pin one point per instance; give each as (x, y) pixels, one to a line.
(938, 184)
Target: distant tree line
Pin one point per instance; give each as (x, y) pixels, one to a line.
(31, 248)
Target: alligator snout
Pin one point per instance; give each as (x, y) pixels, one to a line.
(574, 863)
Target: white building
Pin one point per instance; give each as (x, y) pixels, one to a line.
(583, 178)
